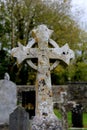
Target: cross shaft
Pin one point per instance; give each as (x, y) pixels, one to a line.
(41, 35)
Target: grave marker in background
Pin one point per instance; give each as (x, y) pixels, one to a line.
(19, 119)
(77, 116)
(8, 99)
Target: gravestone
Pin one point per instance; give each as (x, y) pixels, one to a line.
(19, 119)
(62, 105)
(77, 116)
(8, 100)
(44, 117)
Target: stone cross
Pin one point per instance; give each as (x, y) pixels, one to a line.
(41, 38)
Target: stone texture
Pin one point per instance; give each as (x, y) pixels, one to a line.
(8, 100)
(46, 123)
(70, 88)
(19, 119)
(44, 96)
(77, 92)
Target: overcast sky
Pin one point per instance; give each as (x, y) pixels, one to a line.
(80, 11)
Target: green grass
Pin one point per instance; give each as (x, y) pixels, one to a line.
(69, 118)
(85, 119)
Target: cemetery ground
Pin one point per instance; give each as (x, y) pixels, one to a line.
(57, 113)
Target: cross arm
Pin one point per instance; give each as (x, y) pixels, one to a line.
(64, 53)
(22, 52)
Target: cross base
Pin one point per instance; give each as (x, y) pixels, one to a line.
(46, 123)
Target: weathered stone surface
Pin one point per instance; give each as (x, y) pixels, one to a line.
(8, 99)
(46, 123)
(77, 91)
(19, 119)
(44, 96)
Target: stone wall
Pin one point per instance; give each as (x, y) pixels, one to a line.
(56, 90)
(76, 92)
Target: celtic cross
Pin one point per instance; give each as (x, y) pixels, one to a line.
(41, 36)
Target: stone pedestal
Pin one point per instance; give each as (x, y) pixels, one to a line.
(46, 123)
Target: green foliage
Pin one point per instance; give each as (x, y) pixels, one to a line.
(18, 17)
(4, 26)
(58, 75)
(70, 72)
(18, 74)
(4, 61)
(81, 72)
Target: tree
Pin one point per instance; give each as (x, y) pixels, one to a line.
(20, 16)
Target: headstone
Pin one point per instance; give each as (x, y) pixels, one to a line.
(77, 116)
(63, 105)
(19, 119)
(8, 100)
(44, 117)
